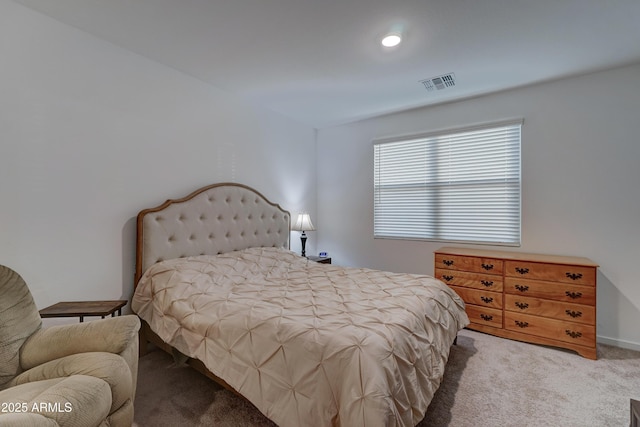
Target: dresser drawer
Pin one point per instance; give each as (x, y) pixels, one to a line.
(466, 263)
(574, 274)
(574, 333)
(554, 309)
(479, 297)
(484, 315)
(551, 290)
(470, 280)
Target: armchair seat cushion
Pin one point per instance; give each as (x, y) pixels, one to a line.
(78, 400)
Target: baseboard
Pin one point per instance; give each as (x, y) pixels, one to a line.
(629, 345)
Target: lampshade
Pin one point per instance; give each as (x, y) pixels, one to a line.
(303, 223)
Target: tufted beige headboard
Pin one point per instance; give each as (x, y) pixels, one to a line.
(215, 219)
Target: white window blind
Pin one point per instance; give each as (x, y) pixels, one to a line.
(459, 186)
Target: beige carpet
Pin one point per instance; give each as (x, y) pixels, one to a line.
(489, 382)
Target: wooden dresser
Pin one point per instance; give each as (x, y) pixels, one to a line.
(542, 299)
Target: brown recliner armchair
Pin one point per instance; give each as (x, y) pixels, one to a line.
(81, 374)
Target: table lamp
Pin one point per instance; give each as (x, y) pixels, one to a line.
(303, 223)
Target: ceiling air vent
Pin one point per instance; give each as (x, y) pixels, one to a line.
(440, 82)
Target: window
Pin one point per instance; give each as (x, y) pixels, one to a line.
(458, 186)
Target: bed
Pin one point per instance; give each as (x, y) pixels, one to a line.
(308, 344)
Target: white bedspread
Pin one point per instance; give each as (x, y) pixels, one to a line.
(308, 344)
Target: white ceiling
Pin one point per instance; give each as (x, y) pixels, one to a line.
(320, 61)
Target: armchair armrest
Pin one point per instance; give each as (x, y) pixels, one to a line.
(111, 335)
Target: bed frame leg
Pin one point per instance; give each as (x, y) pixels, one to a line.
(142, 344)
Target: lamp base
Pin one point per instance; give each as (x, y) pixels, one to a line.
(303, 239)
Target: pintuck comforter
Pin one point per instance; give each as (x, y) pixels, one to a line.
(308, 344)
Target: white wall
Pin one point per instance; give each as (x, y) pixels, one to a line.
(580, 175)
(90, 134)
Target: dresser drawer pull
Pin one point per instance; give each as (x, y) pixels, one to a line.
(487, 300)
(522, 270)
(486, 317)
(574, 276)
(521, 305)
(487, 266)
(521, 324)
(447, 262)
(573, 334)
(487, 283)
(574, 314)
(573, 295)
(522, 288)
(447, 278)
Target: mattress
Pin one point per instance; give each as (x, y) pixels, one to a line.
(308, 344)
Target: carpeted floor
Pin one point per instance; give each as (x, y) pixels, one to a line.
(489, 381)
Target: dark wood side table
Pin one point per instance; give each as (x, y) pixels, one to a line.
(321, 260)
(84, 308)
(635, 413)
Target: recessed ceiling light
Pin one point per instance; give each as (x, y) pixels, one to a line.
(391, 40)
